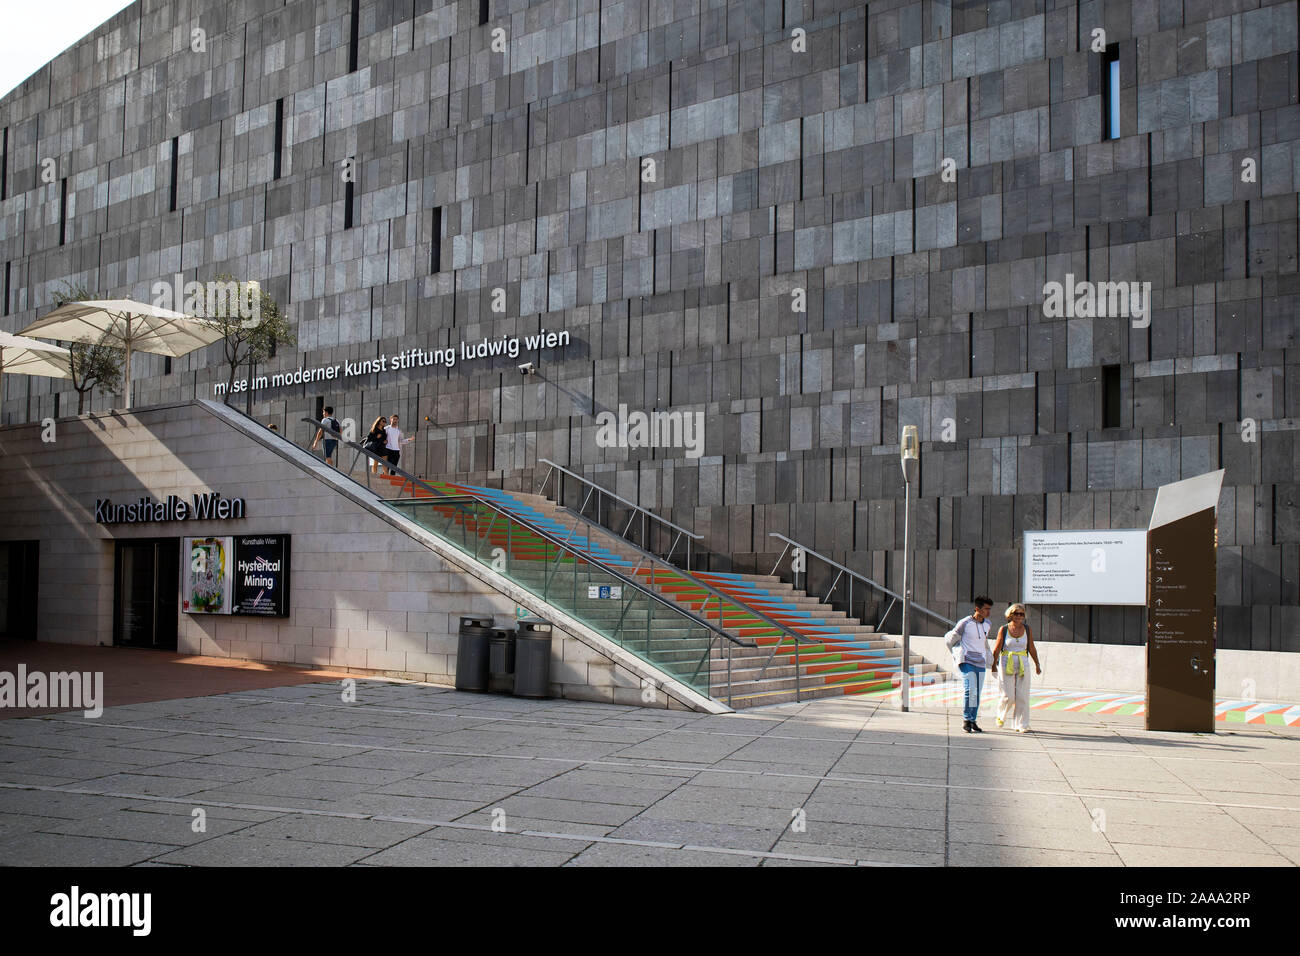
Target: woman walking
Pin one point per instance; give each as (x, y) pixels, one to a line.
(1014, 647)
(377, 442)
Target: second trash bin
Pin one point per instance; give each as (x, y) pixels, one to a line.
(533, 658)
(501, 660)
(472, 653)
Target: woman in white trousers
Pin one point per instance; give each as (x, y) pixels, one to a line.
(1012, 652)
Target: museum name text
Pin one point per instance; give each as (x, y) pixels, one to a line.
(202, 508)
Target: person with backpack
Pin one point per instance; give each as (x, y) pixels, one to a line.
(331, 444)
(1014, 645)
(969, 642)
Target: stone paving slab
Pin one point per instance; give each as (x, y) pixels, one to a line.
(61, 849)
(609, 854)
(411, 775)
(435, 852)
(239, 849)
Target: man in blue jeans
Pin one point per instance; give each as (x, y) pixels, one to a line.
(970, 649)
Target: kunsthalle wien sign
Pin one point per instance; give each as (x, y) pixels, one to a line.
(209, 507)
(245, 574)
(1085, 567)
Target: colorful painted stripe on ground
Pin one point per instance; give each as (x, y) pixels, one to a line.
(949, 694)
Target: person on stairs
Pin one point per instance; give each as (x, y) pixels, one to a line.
(1014, 645)
(377, 442)
(395, 443)
(969, 642)
(330, 427)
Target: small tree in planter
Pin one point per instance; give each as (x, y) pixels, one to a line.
(91, 364)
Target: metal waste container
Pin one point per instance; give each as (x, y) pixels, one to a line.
(533, 658)
(472, 653)
(501, 660)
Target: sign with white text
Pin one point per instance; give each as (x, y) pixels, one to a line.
(261, 575)
(1085, 567)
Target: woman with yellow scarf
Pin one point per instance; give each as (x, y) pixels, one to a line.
(1015, 645)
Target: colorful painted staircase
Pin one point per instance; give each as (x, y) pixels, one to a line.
(836, 656)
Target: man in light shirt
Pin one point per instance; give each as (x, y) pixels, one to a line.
(395, 442)
(969, 641)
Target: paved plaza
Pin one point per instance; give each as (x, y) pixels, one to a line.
(418, 775)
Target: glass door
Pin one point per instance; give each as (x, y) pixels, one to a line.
(18, 588)
(146, 590)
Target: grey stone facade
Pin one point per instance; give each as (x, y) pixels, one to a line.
(775, 170)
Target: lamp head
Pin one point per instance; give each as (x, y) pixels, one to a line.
(910, 444)
(909, 453)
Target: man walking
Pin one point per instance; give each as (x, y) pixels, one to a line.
(329, 425)
(395, 443)
(970, 649)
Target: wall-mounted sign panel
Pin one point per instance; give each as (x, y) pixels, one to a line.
(262, 575)
(1085, 567)
(208, 565)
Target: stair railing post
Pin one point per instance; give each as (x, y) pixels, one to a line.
(798, 682)
(780, 558)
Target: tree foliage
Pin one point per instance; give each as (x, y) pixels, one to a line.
(92, 364)
(248, 338)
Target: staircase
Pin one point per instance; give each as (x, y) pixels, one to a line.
(835, 655)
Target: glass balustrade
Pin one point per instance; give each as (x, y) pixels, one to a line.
(560, 571)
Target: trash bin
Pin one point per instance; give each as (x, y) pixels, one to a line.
(472, 653)
(501, 660)
(533, 658)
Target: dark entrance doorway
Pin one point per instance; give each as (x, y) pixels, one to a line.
(146, 593)
(19, 567)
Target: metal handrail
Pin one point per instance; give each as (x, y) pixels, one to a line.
(645, 513)
(853, 575)
(461, 500)
(643, 554)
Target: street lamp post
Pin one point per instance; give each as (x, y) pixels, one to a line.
(909, 451)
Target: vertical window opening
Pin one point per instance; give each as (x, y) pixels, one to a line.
(1110, 92)
(347, 204)
(1110, 414)
(483, 12)
(435, 244)
(353, 39)
(176, 154)
(167, 364)
(8, 266)
(63, 210)
(279, 138)
(4, 165)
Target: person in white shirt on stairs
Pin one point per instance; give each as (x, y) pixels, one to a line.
(395, 441)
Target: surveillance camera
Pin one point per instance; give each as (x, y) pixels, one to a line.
(528, 368)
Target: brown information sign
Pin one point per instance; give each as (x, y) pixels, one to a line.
(1181, 593)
